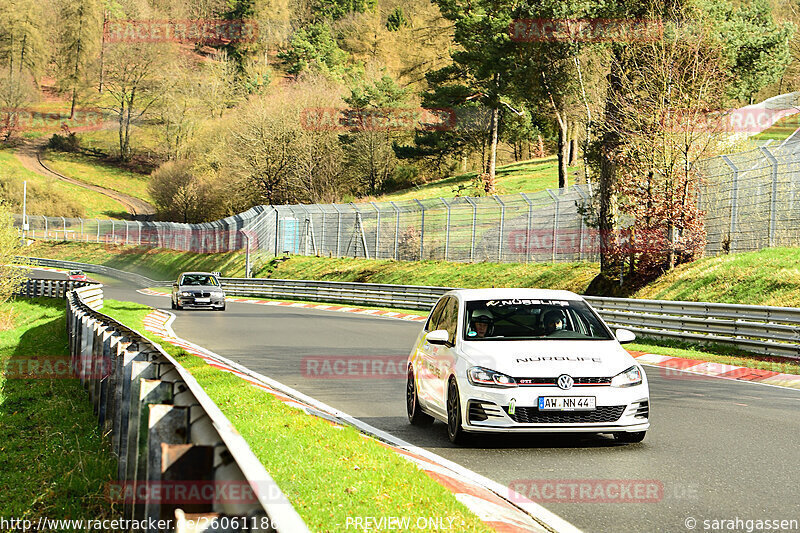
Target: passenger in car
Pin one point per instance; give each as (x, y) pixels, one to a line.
(553, 321)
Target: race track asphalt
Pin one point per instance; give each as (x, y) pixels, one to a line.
(720, 449)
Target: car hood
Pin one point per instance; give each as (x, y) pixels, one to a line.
(544, 358)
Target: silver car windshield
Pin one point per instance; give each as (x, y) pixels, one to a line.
(198, 280)
(524, 319)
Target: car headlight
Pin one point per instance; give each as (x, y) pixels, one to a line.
(628, 378)
(186, 293)
(483, 377)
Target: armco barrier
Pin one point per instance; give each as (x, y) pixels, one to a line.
(136, 279)
(168, 435)
(52, 288)
(759, 329)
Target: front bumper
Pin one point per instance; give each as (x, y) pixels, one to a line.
(617, 409)
(192, 301)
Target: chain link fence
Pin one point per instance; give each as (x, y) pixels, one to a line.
(751, 200)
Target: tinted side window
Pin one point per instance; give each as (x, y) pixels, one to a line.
(449, 318)
(436, 315)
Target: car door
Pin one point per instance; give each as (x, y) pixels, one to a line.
(423, 362)
(443, 356)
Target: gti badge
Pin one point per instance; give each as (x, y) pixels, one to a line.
(565, 382)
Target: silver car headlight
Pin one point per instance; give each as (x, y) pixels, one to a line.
(483, 377)
(628, 378)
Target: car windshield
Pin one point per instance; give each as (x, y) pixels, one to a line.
(75, 273)
(525, 319)
(198, 279)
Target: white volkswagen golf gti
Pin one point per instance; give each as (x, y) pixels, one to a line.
(525, 360)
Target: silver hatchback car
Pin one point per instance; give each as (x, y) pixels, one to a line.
(198, 289)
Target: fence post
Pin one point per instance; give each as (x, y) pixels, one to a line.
(421, 231)
(377, 229)
(502, 222)
(474, 223)
(773, 195)
(46, 235)
(396, 228)
(528, 229)
(139, 232)
(82, 236)
(555, 222)
(338, 229)
(322, 237)
(581, 224)
(98, 229)
(446, 229)
(734, 201)
(64, 224)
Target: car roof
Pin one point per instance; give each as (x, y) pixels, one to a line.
(198, 273)
(513, 293)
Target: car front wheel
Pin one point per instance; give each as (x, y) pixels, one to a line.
(454, 430)
(415, 414)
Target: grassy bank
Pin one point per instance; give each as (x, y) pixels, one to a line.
(55, 461)
(523, 176)
(768, 277)
(52, 197)
(94, 172)
(327, 472)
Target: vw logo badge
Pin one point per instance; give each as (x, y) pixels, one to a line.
(565, 382)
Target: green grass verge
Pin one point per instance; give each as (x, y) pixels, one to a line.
(727, 355)
(781, 130)
(328, 472)
(92, 171)
(767, 277)
(55, 461)
(523, 176)
(47, 198)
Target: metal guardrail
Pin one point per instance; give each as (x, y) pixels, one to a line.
(759, 329)
(375, 294)
(167, 433)
(50, 288)
(136, 279)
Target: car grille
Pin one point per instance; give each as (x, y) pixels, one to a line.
(541, 382)
(201, 294)
(532, 415)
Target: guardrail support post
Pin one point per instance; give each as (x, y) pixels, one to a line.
(167, 424)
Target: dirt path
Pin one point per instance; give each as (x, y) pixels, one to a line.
(29, 154)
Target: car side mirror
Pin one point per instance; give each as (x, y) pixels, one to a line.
(440, 336)
(625, 336)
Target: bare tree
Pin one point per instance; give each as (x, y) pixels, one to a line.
(133, 81)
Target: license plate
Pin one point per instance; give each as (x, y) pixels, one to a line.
(567, 403)
(202, 300)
